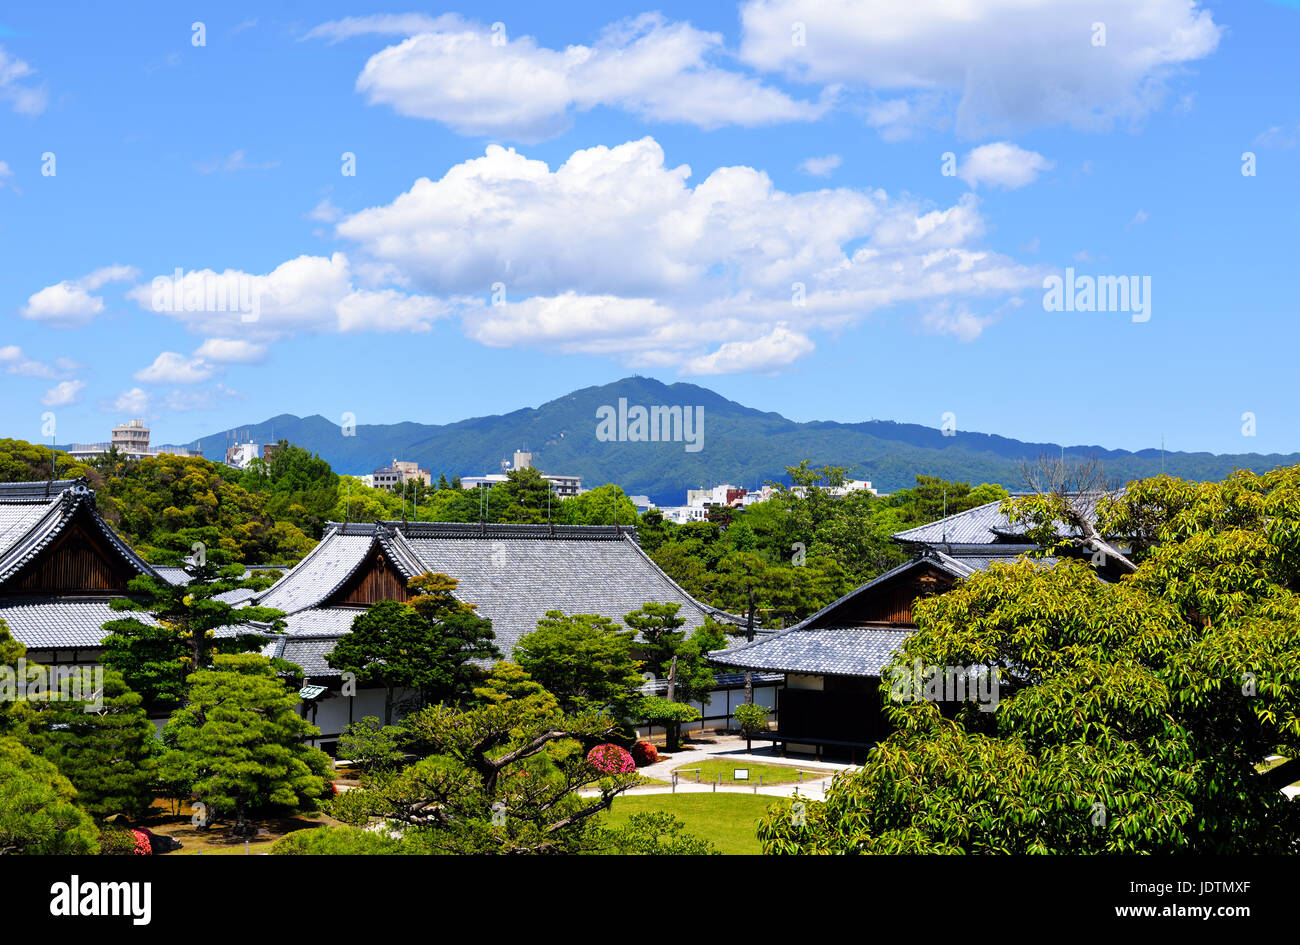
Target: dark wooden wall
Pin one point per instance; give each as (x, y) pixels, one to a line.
(79, 561)
(374, 581)
(890, 603)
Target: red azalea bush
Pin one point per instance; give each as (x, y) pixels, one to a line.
(610, 759)
(643, 753)
(142, 845)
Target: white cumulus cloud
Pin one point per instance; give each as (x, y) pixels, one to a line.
(480, 81)
(63, 394)
(230, 351)
(821, 166)
(993, 66)
(1002, 164)
(15, 87)
(172, 368)
(309, 293)
(70, 303)
(614, 253)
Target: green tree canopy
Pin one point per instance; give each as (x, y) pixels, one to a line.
(240, 738)
(37, 813)
(432, 644)
(584, 660)
(105, 746)
(1131, 717)
(500, 780)
(155, 658)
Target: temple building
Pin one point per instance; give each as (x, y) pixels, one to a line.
(60, 565)
(513, 574)
(833, 660)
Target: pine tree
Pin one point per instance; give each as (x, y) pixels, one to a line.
(240, 738)
(108, 753)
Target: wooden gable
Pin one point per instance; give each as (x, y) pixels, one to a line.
(890, 602)
(80, 561)
(375, 579)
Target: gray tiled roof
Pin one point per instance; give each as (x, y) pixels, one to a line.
(43, 623)
(34, 514)
(831, 651)
(308, 653)
(818, 645)
(324, 568)
(515, 580)
(322, 621)
(982, 525)
(236, 596)
(514, 574)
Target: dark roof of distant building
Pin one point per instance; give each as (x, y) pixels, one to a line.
(819, 645)
(34, 514)
(61, 623)
(983, 525)
(514, 574)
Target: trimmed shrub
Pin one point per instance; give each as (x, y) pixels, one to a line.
(116, 841)
(335, 841)
(611, 759)
(644, 753)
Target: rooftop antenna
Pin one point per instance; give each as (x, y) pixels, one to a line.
(347, 502)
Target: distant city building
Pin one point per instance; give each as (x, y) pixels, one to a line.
(131, 437)
(850, 485)
(681, 514)
(398, 473)
(726, 494)
(565, 486)
(241, 454)
(269, 450)
(131, 440)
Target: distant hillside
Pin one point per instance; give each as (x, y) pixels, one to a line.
(740, 445)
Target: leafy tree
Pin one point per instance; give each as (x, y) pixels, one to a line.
(21, 461)
(162, 504)
(108, 753)
(660, 633)
(522, 498)
(11, 651)
(155, 658)
(300, 487)
(603, 505)
(670, 655)
(671, 715)
(507, 682)
(430, 643)
(1131, 717)
(37, 813)
(240, 735)
(371, 745)
(501, 781)
(752, 719)
(584, 660)
(657, 833)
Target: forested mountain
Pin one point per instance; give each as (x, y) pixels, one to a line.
(740, 445)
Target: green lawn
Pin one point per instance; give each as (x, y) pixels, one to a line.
(726, 820)
(771, 774)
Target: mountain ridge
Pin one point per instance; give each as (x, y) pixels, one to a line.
(741, 444)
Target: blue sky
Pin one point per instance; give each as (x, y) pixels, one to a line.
(817, 162)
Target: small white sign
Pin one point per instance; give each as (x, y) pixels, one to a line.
(740, 774)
